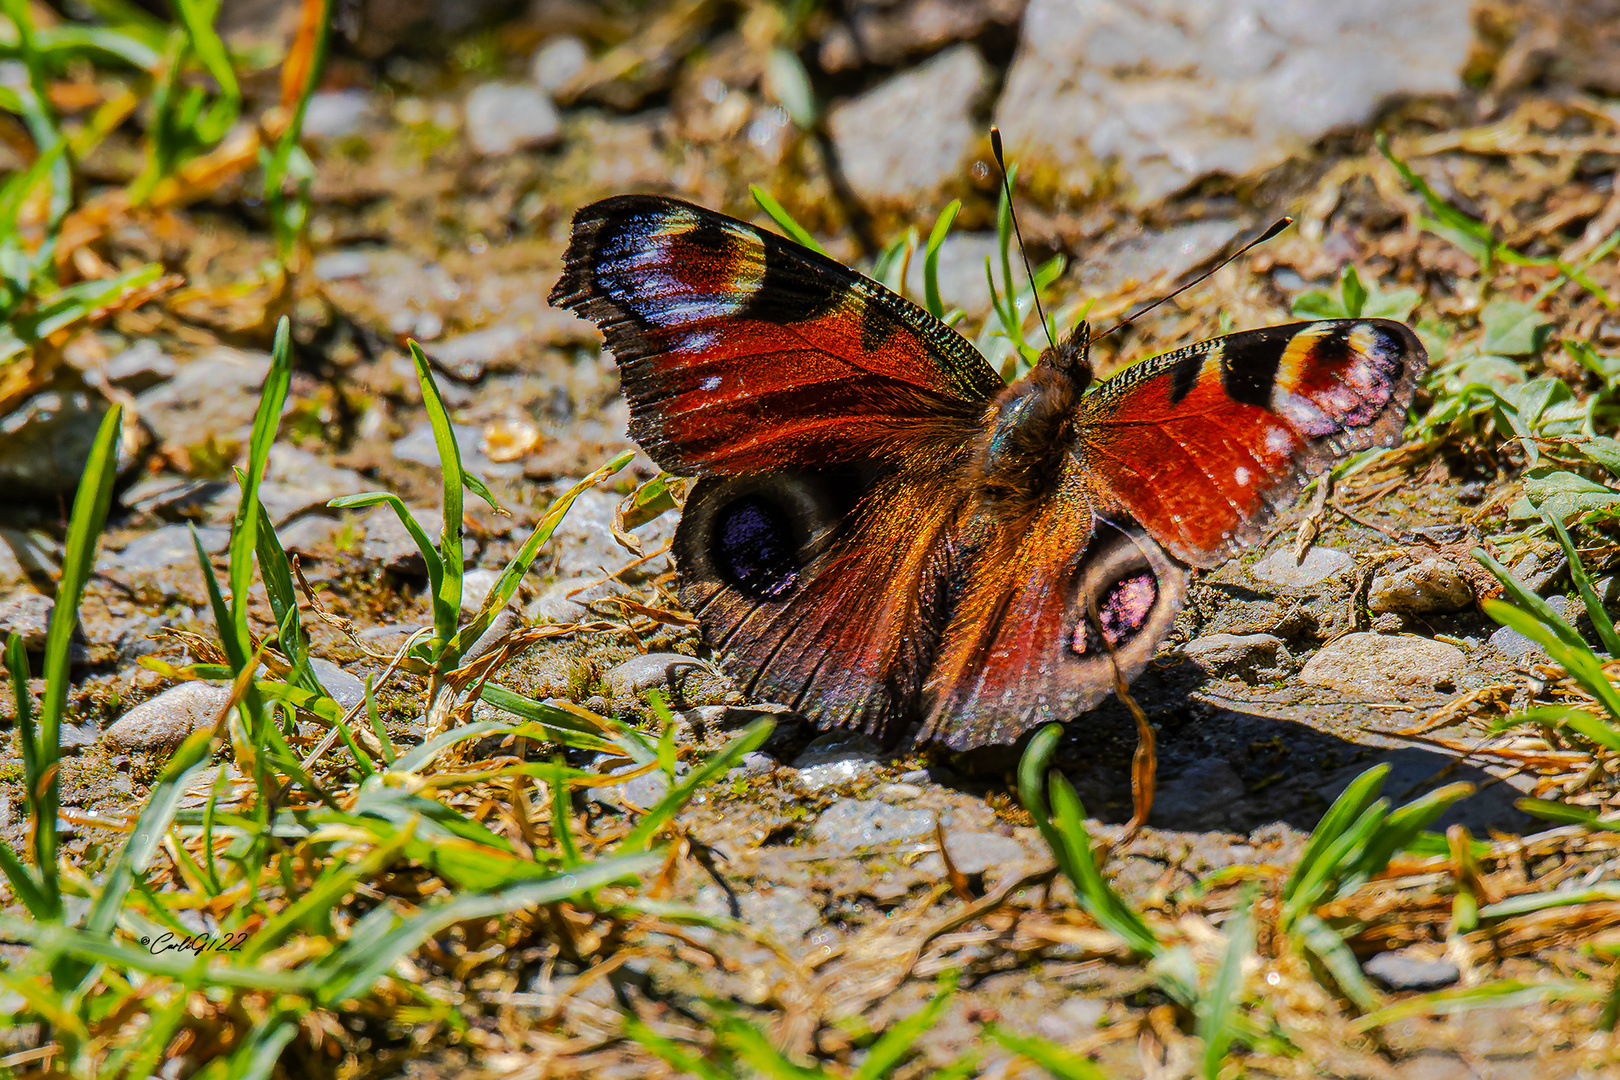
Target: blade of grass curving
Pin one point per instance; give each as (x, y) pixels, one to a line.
(1333, 864)
(245, 528)
(749, 739)
(421, 757)
(89, 515)
(1061, 1062)
(418, 535)
(884, 1056)
(1339, 817)
(1583, 583)
(1606, 892)
(1565, 814)
(1581, 662)
(1096, 895)
(784, 220)
(750, 1044)
(562, 829)
(1526, 600)
(942, 226)
(671, 1052)
(259, 1056)
(1328, 947)
(1469, 234)
(447, 590)
(1216, 1019)
(512, 576)
(1399, 830)
(1503, 994)
(390, 755)
(198, 18)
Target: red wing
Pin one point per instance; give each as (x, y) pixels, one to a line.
(1204, 444)
(819, 597)
(1021, 648)
(741, 351)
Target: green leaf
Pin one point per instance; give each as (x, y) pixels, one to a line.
(1502, 994)
(1565, 814)
(1354, 293)
(1328, 947)
(1057, 1060)
(787, 82)
(1583, 584)
(1512, 328)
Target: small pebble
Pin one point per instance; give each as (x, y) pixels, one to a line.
(1403, 971)
(1320, 563)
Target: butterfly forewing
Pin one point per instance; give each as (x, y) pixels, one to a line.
(742, 351)
(1202, 445)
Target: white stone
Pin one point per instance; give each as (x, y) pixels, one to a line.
(504, 117)
(1380, 666)
(1172, 90)
(911, 135)
(558, 61)
(1319, 564)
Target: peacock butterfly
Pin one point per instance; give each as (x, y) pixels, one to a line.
(887, 537)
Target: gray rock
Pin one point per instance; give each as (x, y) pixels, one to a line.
(1170, 91)
(1161, 256)
(468, 356)
(1432, 585)
(342, 265)
(1402, 971)
(642, 791)
(389, 638)
(163, 548)
(505, 623)
(836, 758)
(212, 397)
(1320, 563)
(346, 689)
(175, 498)
(476, 585)
(660, 671)
(139, 637)
(332, 114)
(975, 851)
(910, 136)
(755, 763)
(45, 442)
(27, 614)
(165, 721)
(1540, 572)
(26, 557)
(1515, 646)
(787, 912)
(388, 542)
(1205, 790)
(1238, 655)
(504, 117)
(309, 534)
(1376, 666)
(556, 63)
(420, 448)
(296, 480)
(141, 366)
(556, 606)
(857, 823)
(1072, 1020)
(584, 541)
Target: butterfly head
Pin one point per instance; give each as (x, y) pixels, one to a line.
(1071, 358)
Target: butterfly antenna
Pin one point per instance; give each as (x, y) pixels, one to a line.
(1276, 227)
(1006, 186)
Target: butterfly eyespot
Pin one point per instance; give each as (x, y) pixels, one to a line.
(753, 548)
(1122, 611)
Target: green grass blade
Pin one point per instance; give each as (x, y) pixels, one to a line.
(1060, 1062)
(749, 739)
(1328, 947)
(1565, 814)
(671, 1052)
(89, 516)
(1096, 895)
(1216, 1020)
(1526, 600)
(942, 226)
(1340, 816)
(1580, 661)
(1583, 583)
(447, 590)
(885, 1055)
(245, 529)
(750, 1044)
(1502, 994)
(784, 220)
(198, 18)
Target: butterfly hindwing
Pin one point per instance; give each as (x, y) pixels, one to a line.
(741, 351)
(825, 591)
(1204, 444)
(1051, 604)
